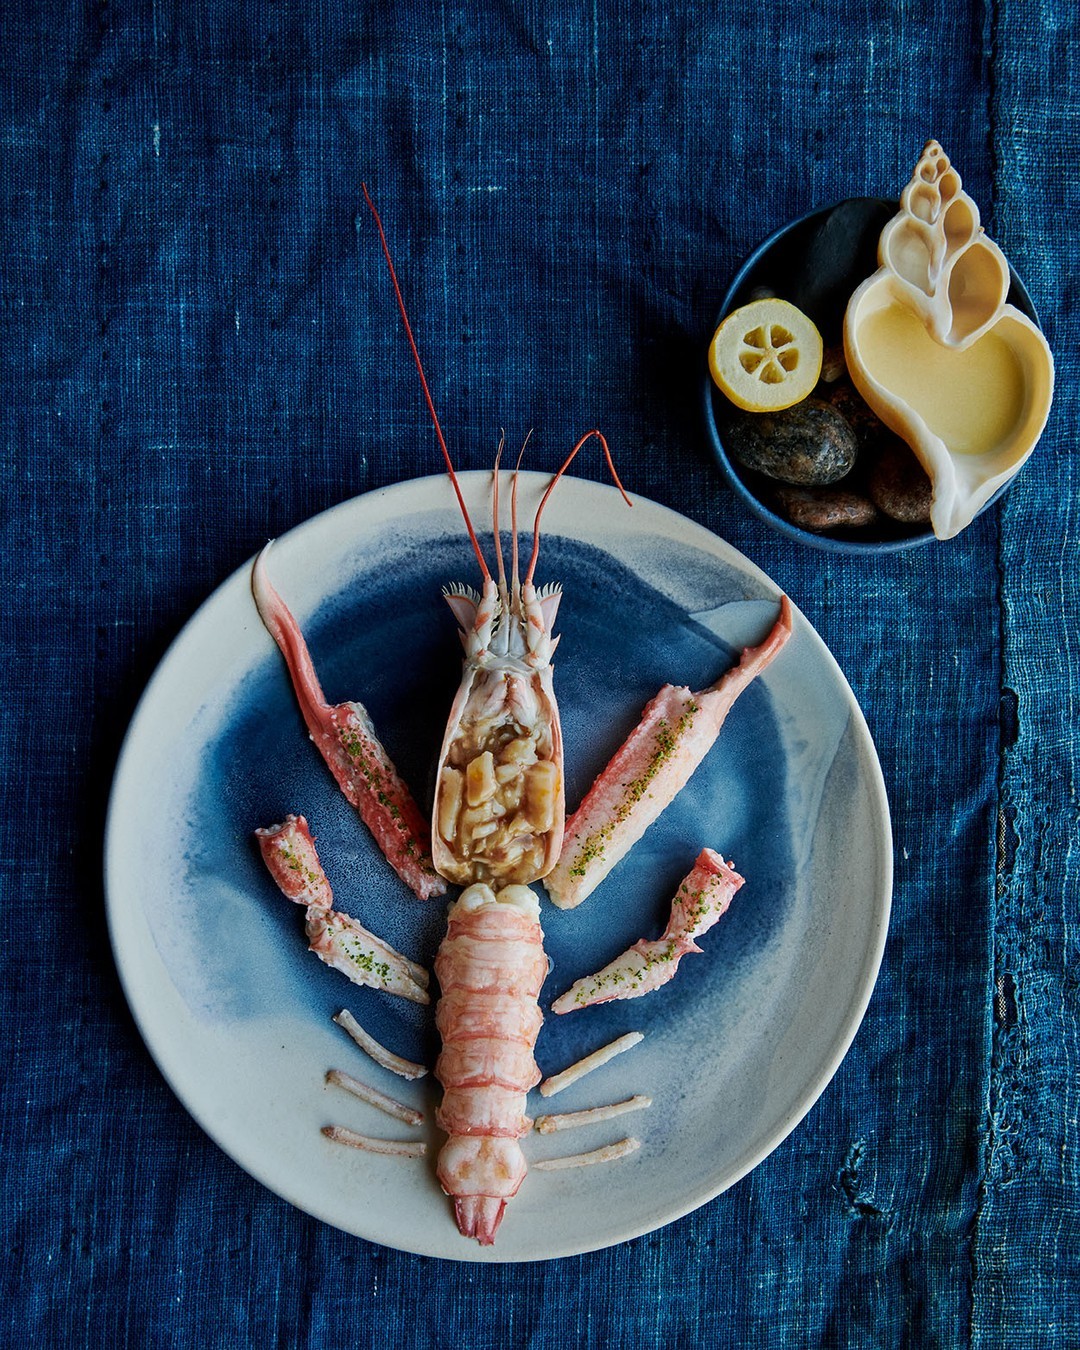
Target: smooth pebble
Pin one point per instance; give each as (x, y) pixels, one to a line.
(808, 445)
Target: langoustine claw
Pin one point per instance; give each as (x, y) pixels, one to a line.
(490, 967)
(676, 731)
(346, 739)
(338, 939)
(702, 899)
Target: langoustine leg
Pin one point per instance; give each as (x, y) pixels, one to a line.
(491, 965)
(701, 900)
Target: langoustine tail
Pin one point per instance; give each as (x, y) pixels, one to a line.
(345, 737)
(490, 966)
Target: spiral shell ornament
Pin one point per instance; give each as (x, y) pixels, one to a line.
(935, 349)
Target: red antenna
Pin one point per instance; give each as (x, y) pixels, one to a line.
(427, 392)
(551, 488)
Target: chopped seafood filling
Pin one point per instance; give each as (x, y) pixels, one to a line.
(498, 793)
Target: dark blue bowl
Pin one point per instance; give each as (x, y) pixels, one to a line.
(817, 262)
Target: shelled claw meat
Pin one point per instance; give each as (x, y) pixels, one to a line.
(701, 900)
(676, 731)
(344, 736)
(338, 939)
(491, 966)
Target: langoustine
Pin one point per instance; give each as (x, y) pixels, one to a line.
(701, 900)
(676, 731)
(498, 818)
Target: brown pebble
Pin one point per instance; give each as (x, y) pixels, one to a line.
(898, 484)
(837, 509)
(833, 364)
(858, 414)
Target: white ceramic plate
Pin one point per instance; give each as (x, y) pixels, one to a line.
(237, 1013)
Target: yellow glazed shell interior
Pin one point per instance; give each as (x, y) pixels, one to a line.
(934, 349)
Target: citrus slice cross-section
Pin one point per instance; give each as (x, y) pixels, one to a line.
(766, 356)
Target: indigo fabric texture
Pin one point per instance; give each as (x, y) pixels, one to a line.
(199, 352)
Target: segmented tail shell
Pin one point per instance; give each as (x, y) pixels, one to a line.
(490, 967)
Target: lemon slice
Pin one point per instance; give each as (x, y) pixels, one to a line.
(766, 356)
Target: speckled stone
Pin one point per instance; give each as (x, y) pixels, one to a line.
(809, 445)
(898, 483)
(869, 429)
(824, 509)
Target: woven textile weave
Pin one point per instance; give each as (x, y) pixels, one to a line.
(199, 353)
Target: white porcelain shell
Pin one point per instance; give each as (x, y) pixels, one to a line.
(931, 344)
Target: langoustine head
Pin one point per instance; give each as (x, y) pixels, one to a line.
(499, 803)
(499, 799)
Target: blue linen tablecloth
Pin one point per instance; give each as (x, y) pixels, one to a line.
(198, 353)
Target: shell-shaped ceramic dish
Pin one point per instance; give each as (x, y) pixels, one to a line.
(934, 348)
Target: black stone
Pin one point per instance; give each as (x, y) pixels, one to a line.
(840, 254)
